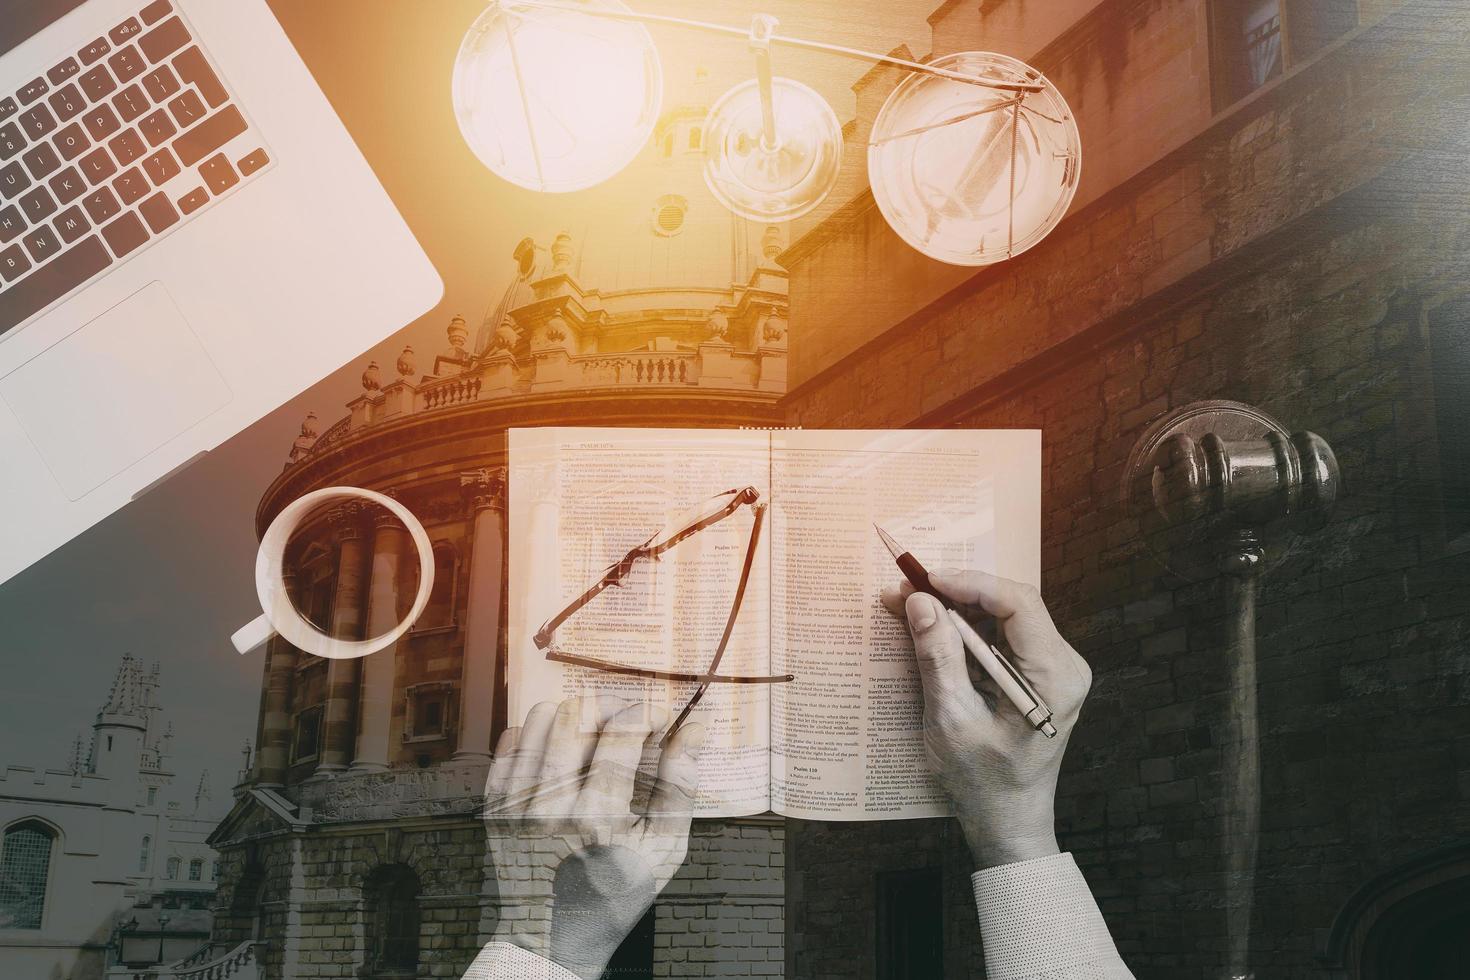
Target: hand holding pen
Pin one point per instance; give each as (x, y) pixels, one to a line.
(999, 772)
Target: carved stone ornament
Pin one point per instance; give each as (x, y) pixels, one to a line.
(407, 364)
(719, 326)
(561, 254)
(506, 336)
(372, 378)
(303, 443)
(484, 488)
(556, 329)
(773, 331)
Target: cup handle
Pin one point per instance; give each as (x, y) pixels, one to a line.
(252, 634)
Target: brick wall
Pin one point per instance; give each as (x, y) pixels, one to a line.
(1287, 258)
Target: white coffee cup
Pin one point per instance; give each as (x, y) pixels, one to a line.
(280, 615)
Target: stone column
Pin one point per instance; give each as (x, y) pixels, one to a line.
(273, 737)
(391, 543)
(485, 491)
(338, 724)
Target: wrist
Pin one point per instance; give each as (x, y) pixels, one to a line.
(993, 846)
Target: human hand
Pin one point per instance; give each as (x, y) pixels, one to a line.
(1000, 772)
(575, 865)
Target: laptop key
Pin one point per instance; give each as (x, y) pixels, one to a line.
(155, 12)
(101, 205)
(32, 90)
(209, 136)
(194, 200)
(37, 204)
(97, 83)
(11, 142)
(187, 109)
(101, 121)
(11, 224)
(127, 146)
(93, 51)
(161, 82)
(42, 243)
(158, 212)
(71, 224)
(164, 39)
(218, 175)
(97, 166)
(127, 63)
(13, 265)
(192, 68)
(67, 185)
(126, 31)
(253, 161)
(131, 103)
(63, 71)
(157, 127)
(41, 160)
(125, 234)
(161, 167)
(130, 185)
(72, 142)
(37, 121)
(8, 107)
(67, 101)
(62, 274)
(13, 180)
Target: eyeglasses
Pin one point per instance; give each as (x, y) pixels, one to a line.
(683, 527)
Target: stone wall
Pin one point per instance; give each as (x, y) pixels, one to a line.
(1290, 257)
(721, 916)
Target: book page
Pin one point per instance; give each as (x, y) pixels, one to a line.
(847, 734)
(580, 499)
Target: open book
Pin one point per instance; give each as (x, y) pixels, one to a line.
(840, 740)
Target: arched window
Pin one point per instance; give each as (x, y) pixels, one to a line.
(25, 869)
(173, 869)
(196, 870)
(391, 903)
(214, 871)
(439, 612)
(143, 853)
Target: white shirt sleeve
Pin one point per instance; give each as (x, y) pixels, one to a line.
(1039, 921)
(504, 961)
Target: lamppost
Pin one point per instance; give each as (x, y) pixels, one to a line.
(163, 918)
(1222, 488)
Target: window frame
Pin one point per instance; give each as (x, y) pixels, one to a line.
(1226, 43)
(456, 563)
(196, 869)
(53, 836)
(145, 854)
(411, 695)
(296, 718)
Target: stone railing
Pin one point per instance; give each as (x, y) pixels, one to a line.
(450, 391)
(640, 368)
(334, 434)
(240, 963)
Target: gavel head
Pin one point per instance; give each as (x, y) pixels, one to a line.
(1216, 479)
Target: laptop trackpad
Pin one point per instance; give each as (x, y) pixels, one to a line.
(115, 390)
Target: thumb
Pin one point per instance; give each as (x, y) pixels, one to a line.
(940, 653)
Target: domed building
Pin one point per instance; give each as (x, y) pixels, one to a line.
(355, 847)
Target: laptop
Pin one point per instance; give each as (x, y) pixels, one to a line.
(188, 238)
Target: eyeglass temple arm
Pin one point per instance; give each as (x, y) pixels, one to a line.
(794, 42)
(750, 550)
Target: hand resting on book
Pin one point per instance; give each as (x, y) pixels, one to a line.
(999, 771)
(575, 866)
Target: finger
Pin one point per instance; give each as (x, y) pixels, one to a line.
(568, 745)
(608, 789)
(940, 654)
(1028, 626)
(531, 747)
(671, 803)
(498, 782)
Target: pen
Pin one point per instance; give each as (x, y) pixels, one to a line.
(1006, 676)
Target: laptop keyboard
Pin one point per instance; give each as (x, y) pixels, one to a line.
(113, 147)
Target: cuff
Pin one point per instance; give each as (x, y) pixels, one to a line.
(504, 961)
(1038, 917)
